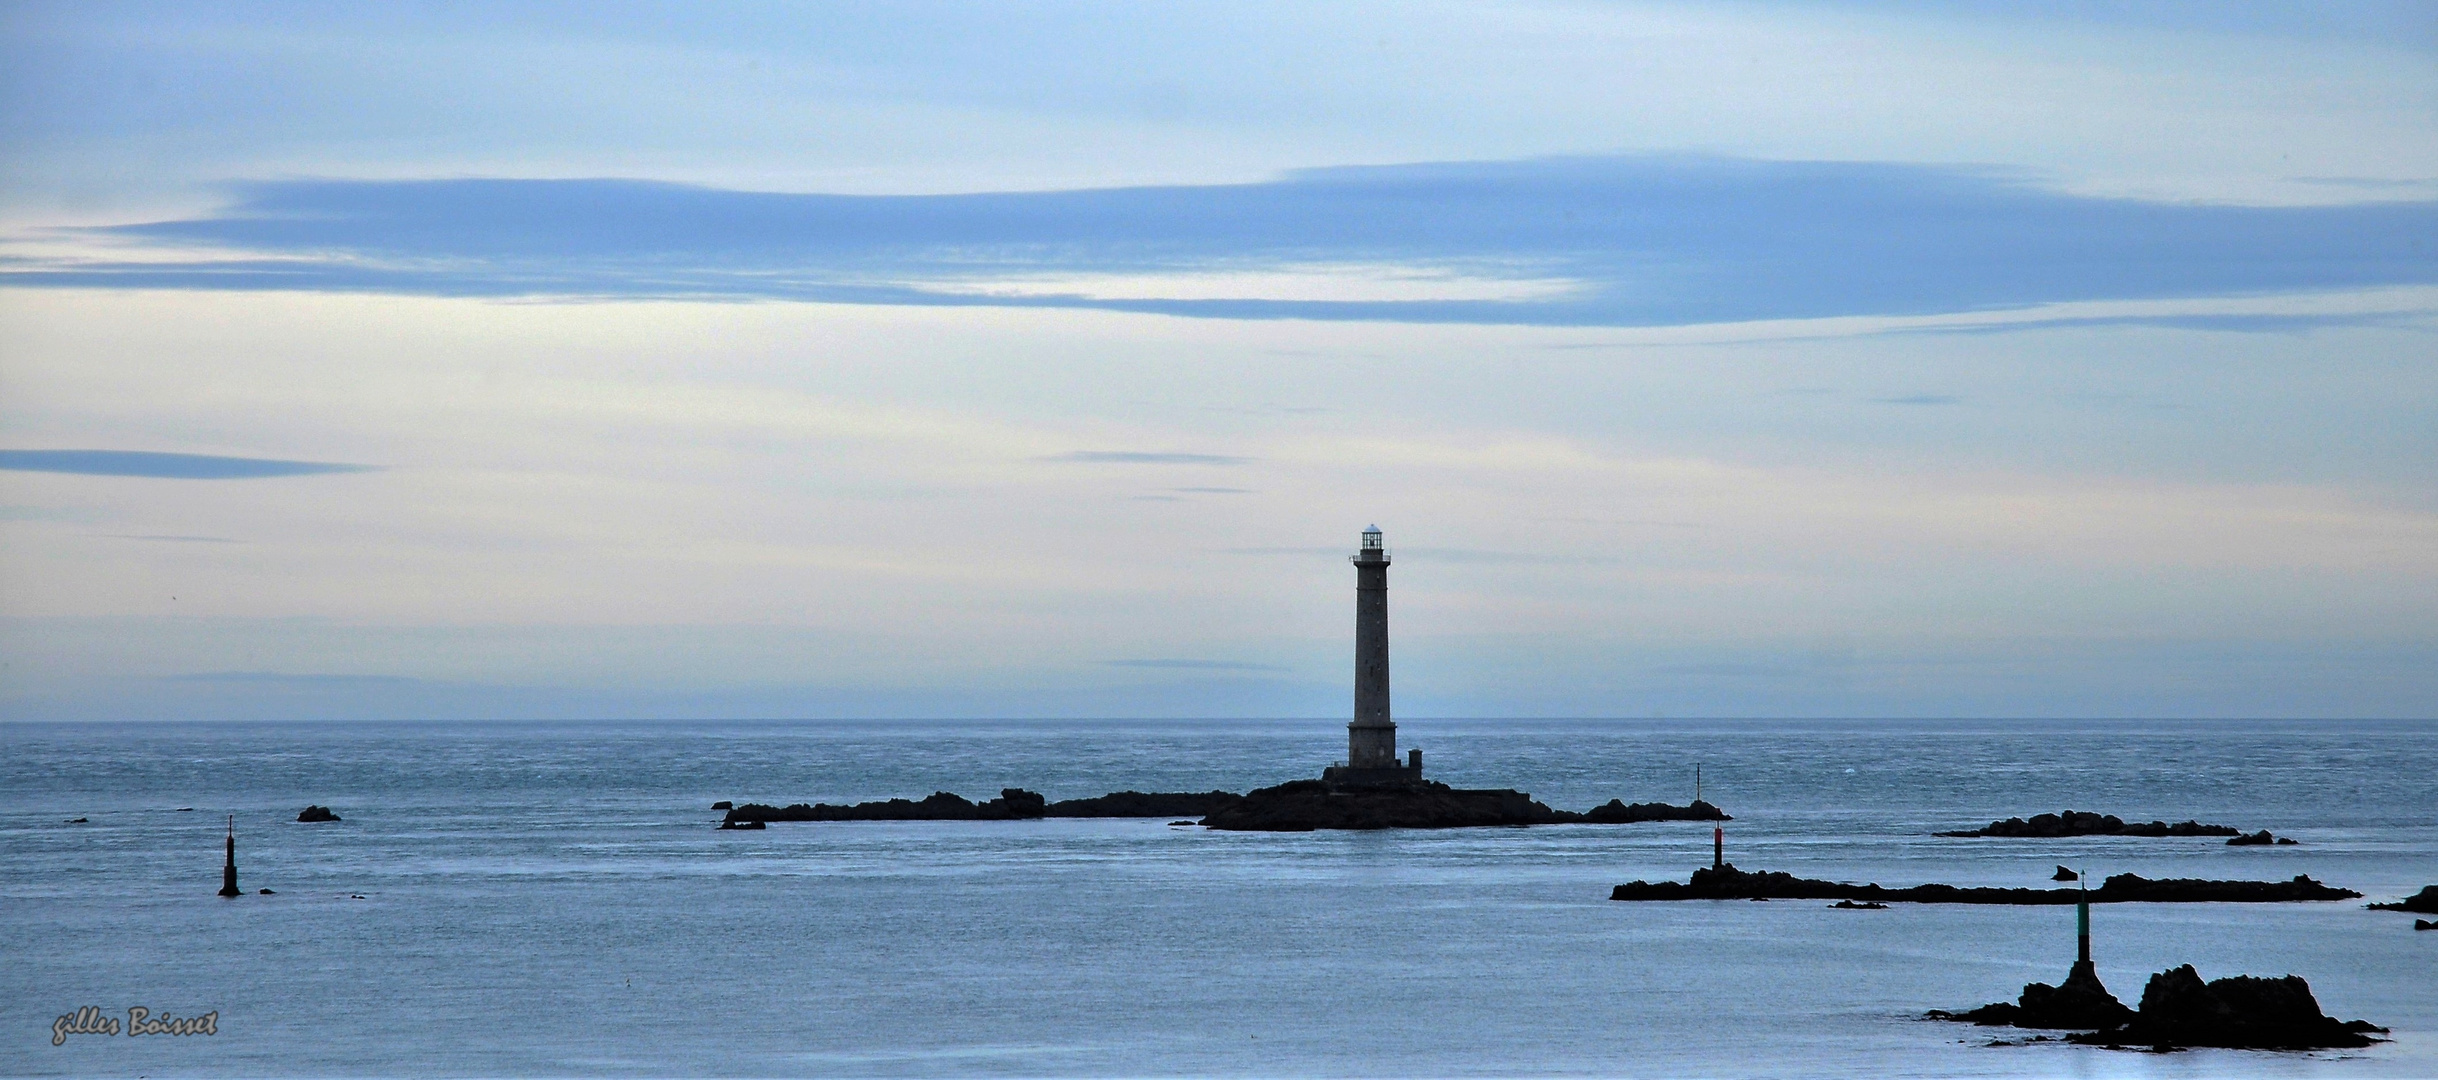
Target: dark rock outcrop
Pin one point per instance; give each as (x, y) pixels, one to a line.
(1012, 804)
(2260, 839)
(1620, 812)
(317, 813)
(723, 804)
(2424, 924)
(1133, 804)
(1729, 883)
(2083, 823)
(1866, 905)
(1306, 805)
(2179, 1010)
(2081, 1003)
(2425, 902)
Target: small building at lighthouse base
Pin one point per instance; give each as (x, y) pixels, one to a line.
(1346, 777)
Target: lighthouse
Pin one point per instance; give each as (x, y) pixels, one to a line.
(1371, 739)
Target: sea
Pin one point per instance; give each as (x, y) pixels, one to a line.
(552, 899)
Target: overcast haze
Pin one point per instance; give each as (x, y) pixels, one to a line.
(1045, 360)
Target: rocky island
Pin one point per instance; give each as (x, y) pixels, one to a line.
(1295, 806)
(2179, 1011)
(2083, 823)
(1725, 882)
(1306, 805)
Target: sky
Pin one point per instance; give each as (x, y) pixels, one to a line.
(958, 360)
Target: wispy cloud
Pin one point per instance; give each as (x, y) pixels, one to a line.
(1144, 457)
(175, 539)
(1632, 241)
(1194, 665)
(279, 678)
(164, 466)
(2222, 323)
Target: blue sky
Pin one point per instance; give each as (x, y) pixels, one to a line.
(899, 360)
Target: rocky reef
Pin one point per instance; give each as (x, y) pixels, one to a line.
(2082, 823)
(1012, 804)
(2261, 839)
(1297, 806)
(2425, 902)
(316, 813)
(1728, 883)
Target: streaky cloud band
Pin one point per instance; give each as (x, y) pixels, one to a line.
(161, 466)
(1143, 457)
(1615, 241)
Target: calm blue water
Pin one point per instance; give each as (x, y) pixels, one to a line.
(552, 899)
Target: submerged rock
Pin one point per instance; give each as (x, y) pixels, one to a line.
(2259, 839)
(2084, 823)
(2240, 1011)
(1867, 905)
(1728, 883)
(2425, 901)
(316, 813)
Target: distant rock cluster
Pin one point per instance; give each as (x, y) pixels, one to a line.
(316, 813)
(1728, 883)
(2081, 823)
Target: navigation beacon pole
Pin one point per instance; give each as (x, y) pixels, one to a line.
(2082, 922)
(228, 872)
(1718, 833)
